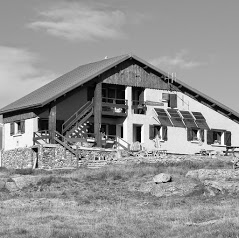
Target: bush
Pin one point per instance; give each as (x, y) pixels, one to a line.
(3, 169)
(23, 171)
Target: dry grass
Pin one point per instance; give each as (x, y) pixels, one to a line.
(99, 203)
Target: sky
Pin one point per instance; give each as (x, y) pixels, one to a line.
(195, 39)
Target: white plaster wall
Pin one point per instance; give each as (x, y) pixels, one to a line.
(20, 140)
(177, 137)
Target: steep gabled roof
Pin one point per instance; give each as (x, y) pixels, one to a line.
(63, 84)
(85, 73)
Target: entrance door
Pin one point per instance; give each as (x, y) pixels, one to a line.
(137, 133)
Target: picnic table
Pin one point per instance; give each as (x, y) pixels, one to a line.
(231, 149)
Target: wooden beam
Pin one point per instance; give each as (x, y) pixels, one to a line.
(97, 113)
(52, 123)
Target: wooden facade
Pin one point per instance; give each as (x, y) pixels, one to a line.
(131, 73)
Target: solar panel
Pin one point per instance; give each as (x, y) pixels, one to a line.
(188, 119)
(200, 120)
(175, 118)
(163, 117)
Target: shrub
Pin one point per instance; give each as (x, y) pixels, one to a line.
(23, 171)
(3, 169)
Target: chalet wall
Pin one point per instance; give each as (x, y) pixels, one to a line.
(20, 140)
(71, 103)
(177, 137)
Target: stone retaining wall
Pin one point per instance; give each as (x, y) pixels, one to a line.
(19, 158)
(51, 157)
(58, 157)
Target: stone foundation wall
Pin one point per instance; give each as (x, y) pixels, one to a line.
(51, 157)
(55, 157)
(20, 158)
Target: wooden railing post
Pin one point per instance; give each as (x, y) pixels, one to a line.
(52, 123)
(77, 157)
(97, 113)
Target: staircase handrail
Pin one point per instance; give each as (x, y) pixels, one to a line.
(43, 135)
(63, 141)
(118, 143)
(71, 120)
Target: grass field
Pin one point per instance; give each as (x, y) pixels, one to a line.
(105, 203)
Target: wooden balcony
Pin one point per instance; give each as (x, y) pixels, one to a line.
(114, 107)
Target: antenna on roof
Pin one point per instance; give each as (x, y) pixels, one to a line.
(106, 57)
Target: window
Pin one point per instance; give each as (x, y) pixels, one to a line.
(43, 124)
(171, 99)
(218, 137)
(194, 134)
(17, 127)
(108, 130)
(12, 128)
(161, 131)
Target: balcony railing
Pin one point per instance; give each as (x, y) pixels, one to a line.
(114, 106)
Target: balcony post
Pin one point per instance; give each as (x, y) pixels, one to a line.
(52, 123)
(97, 113)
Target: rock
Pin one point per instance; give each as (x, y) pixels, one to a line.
(168, 189)
(11, 186)
(179, 189)
(222, 187)
(162, 178)
(4, 174)
(2, 183)
(147, 187)
(213, 174)
(25, 180)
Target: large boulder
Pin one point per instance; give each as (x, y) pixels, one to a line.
(217, 181)
(168, 189)
(162, 178)
(11, 186)
(23, 181)
(221, 187)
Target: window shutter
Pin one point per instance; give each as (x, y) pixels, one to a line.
(227, 138)
(173, 100)
(202, 135)
(12, 127)
(189, 134)
(151, 132)
(22, 127)
(210, 137)
(165, 133)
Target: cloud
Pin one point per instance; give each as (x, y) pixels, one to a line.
(181, 61)
(76, 21)
(20, 74)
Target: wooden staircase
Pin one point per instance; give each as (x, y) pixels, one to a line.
(76, 124)
(65, 142)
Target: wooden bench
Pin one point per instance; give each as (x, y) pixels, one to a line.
(231, 149)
